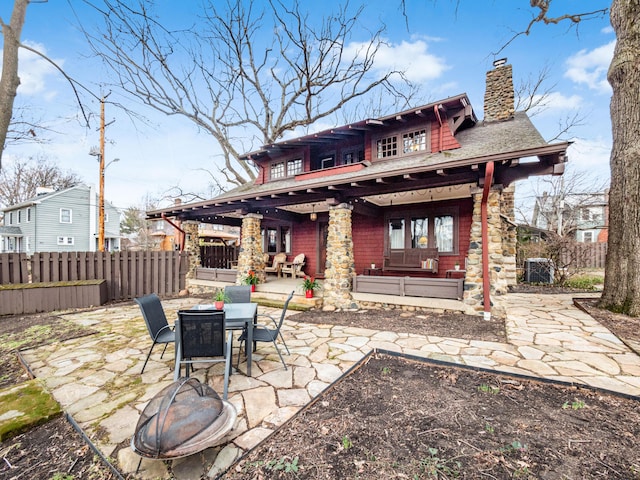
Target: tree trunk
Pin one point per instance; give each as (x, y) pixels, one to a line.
(9, 81)
(622, 280)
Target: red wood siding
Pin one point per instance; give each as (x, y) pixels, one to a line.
(330, 171)
(448, 140)
(368, 241)
(303, 240)
(369, 234)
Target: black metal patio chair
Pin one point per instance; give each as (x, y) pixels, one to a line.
(157, 324)
(262, 333)
(200, 339)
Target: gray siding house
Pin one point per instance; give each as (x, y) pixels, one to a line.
(59, 221)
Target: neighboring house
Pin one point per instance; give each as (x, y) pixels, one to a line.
(584, 216)
(393, 191)
(59, 221)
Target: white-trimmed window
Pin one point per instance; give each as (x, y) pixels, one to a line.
(65, 215)
(277, 170)
(387, 147)
(414, 141)
(10, 218)
(294, 167)
(28, 214)
(398, 144)
(66, 241)
(106, 217)
(19, 216)
(426, 228)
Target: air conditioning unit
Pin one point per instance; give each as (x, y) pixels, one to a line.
(538, 270)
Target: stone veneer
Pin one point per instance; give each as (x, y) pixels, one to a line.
(192, 246)
(251, 255)
(502, 249)
(499, 95)
(340, 267)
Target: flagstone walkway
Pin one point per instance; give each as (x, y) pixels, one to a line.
(97, 378)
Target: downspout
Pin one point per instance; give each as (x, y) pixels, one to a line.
(488, 178)
(436, 110)
(184, 234)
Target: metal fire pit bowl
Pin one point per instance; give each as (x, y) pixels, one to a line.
(182, 419)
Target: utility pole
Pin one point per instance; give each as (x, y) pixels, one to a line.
(101, 197)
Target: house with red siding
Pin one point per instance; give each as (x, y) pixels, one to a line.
(419, 202)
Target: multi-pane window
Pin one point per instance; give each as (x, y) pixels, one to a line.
(277, 170)
(29, 214)
(277, 239)
(294, 167)
(414, 141)
(19, 216)
(352, 156)
(65, 215)
(286, 169)
(10, 218)
(65, 240)
(396, 233)
(423, 230)
(387, 147)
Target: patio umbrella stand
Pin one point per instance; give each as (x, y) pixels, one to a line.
(184, 418)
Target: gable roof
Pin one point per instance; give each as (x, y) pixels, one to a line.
(46, 196)
(504, 143)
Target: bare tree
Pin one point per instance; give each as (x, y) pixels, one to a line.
(622, 282)
(534, 94)
(246, 77)
(20, 179)
(9, 81)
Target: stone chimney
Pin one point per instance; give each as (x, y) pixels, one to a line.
(499, 96)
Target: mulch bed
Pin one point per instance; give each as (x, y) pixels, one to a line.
(397, 418)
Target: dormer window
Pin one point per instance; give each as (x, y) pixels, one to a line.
(388, 147)
(286, 169)
(277, 170)
(413, 141)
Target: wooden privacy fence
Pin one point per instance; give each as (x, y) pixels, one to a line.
(127, 274)
(586, 255)
(218, 256)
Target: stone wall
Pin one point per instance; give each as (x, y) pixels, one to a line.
(340, 267)
(499, 96)
(251, 255)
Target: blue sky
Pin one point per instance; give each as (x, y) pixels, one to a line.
(446, 48)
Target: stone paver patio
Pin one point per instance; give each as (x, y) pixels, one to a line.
(97, 378)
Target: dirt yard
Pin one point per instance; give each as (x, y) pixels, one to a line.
(391, 419)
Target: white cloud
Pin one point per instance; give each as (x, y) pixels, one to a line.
(556, 102)
(590, 67)
(411, 57)
(35, 72)
(591, 155)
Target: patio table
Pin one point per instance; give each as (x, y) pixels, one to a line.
(238, 315)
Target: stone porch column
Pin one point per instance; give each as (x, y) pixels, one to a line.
(251, 254)
(192, 246)
(509, 234)
(501, 252)
(340, 266)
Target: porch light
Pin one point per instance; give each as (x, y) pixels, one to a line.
(313, 216)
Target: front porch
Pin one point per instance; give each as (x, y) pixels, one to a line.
(277, 289)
